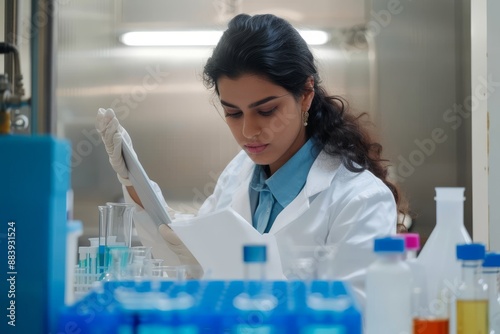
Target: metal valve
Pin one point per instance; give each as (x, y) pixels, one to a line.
(11, 96)
(20, 122)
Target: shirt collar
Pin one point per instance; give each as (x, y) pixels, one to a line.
(286, 183)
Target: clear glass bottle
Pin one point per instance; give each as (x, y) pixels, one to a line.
(388, 289)
(472, 296)
(491, 276)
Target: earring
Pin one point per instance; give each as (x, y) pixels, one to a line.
(305, 117)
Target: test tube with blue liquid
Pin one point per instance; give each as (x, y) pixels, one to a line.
(84, 269)
(257, 297)
(103, 219)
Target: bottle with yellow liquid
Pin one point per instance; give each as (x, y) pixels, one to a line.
(472, 296)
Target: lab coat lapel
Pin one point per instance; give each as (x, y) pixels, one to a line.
(241, 203)
(298, 206)
(241, 197)
(319, 178)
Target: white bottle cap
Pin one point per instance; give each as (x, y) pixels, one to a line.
(449, 194)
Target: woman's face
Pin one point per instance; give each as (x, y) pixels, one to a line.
(264, 118)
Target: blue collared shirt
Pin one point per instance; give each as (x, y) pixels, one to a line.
(273, 194)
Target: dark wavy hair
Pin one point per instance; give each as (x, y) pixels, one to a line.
(269, 46)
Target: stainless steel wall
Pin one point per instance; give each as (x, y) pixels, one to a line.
(406, 76)
(179, 136)
(422, 76)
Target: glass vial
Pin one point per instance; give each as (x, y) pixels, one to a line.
(472, 296)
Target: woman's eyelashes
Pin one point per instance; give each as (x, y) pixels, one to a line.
(233, 114)
(268, 112)
(237, 114)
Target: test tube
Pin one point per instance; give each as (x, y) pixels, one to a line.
(254, 258)
(83, 264)
(103, 221)
(82, 256)
(93, 260)
(256, 297)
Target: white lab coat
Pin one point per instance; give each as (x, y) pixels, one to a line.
(334, 218)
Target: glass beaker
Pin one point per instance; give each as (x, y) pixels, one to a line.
(118, 227)
(118, 264)
(136, 265)
(150, 264)
(119, 224)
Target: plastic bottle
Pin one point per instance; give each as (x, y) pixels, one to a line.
(438, 256)
(388, 289)
(491, 276)
(472, 299)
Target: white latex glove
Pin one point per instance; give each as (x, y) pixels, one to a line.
(178, 247)
(113, 134)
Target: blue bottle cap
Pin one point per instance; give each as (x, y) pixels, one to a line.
(492, 260)
(254, 253)
(474, 251)
(392, 244)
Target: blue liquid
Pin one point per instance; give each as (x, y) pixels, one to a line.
(108, 258)
(110, 273)
(249, 329)
(101, 257)
(323, 329)
(159, 329)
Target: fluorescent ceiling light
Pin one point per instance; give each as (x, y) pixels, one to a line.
(314, 37)
(199, 38)
(171, 38)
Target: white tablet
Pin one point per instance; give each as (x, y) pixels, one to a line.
(140, 180)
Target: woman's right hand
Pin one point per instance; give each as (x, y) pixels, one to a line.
(113, 135)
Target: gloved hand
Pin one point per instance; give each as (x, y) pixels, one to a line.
(178, 247)
(113, 135)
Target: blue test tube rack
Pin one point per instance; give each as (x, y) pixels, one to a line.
(208, 307)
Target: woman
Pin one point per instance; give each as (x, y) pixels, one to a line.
(307, 173)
